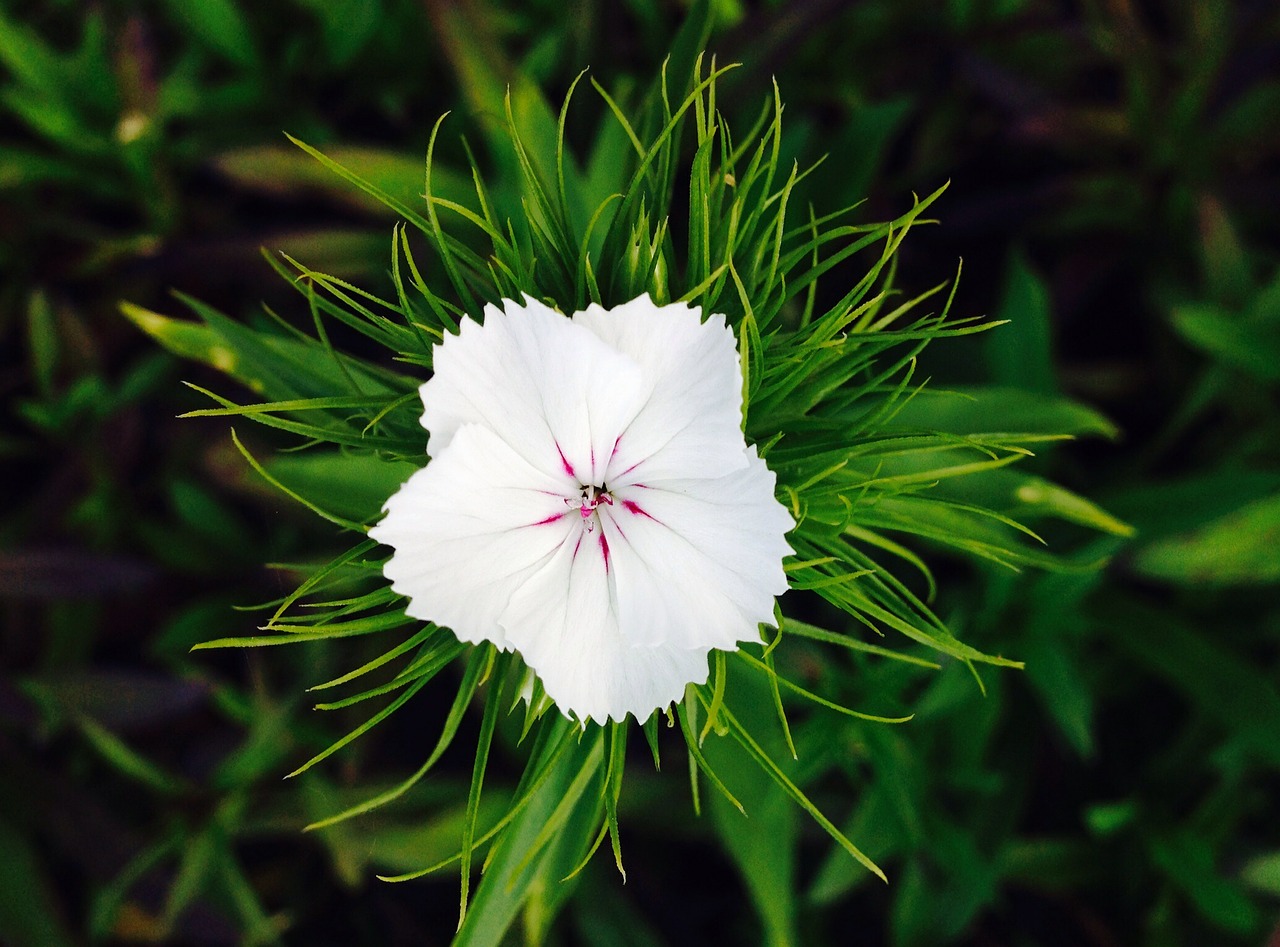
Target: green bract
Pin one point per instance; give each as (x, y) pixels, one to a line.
(670, 203)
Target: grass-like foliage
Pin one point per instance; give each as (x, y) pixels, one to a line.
(669, 202)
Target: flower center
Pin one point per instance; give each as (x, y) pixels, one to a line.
(586, 503)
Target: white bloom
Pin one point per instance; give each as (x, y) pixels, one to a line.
(590, 501)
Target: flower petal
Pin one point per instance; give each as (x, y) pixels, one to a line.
(553, 390)
(697, 563)
(468, 530)
(691, 422)
(563, 621)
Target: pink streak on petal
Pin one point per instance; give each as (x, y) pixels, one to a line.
(604, 551)
(576, 547)
(615, 446)
(550, 519)
(568, 467)
(633, 507)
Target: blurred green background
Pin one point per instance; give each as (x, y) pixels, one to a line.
(1115, 181)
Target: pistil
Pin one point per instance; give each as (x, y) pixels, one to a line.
(591, 497)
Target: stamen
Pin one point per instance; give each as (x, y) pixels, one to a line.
(586, 504)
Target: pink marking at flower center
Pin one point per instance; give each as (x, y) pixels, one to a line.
(591, 498)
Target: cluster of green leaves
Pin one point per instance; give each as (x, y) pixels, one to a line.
(1109, 154)
(829, 396)
(1177, 634)
(1208, 545)
(106, 104)
(117, 546)
(1166, 832)
(84, 766)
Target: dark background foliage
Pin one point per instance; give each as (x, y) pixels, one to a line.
(1115, 174)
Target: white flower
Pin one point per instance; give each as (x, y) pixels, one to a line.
(590, 501)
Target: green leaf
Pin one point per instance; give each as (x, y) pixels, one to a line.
(219, 25)
(263, 750)
(279, 368)
(257, 926)
(480, 763)
(407, 695)
(1239, 697)
(1054, 864)
(126, 760)
(30, 915)
(314, 507)
(616, 762)
(194, 868)
(779, 776)
(352, 252)
(1053, 670)
(404, 844)
(108, 900)
(52, 120)
(793, 626)
(1020, 354)
(466, 690)
(348, 25)
(30, 60)
(42, 336)
(1106, 819)
(1188, 861)
(1225, 261)
(968, 410)
(1253, 348)
(353, 485)
(1239, 548)
(1160, 508)
(1262, 873)
(762, 836)
(862, 139)
(777, 682)
(21, 169)
(184, 338)
(1047, 498)
(284, 170)
(539, 847)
